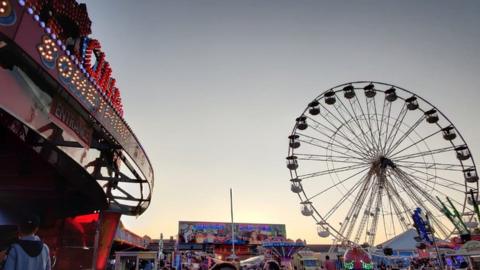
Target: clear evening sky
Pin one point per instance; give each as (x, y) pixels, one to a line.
(212, 88)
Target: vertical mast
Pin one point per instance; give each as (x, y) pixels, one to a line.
(233, 227)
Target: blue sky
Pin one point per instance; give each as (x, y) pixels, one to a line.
(212, 88)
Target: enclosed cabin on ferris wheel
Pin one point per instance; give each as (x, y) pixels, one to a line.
(329, 97)
(471, 175)
(292, 162)
(462, 152)
(322, 229)
(449, 133)
(314, 107)
(390, 94)
(306, 208)
(294, 141)
(296, 187)
(302, 122)
(370, 90)
(349, 91)
(431, 116)
(412, 103)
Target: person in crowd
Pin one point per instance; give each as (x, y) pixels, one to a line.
(329, 265)
(28, 252)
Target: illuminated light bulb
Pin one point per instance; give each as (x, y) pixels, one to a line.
(2, 10)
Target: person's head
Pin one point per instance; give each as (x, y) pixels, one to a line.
(29, 225)
(327, 257)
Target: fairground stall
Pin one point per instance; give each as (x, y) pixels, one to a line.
(67, 153)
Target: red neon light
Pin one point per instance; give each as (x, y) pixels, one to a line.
(86, 218)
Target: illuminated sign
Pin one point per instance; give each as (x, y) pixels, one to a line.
(221, 233)
(72, 120)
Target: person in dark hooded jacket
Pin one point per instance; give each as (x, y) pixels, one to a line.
(29, 252)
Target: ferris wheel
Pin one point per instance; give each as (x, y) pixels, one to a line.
(364, 155)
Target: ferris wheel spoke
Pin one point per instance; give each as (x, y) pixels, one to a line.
(320, 129)
(338, 131)
(350, 216)
(319, 158)
(336, 184)
(372, 117)
(449, 182)
(424, 153)
(335, 151)
(374, 224)
(430, 165)
(376, 118)
(368, 121)
(370, 144)
(427, 180)
(404, 135)
(344, 147)
(387, 106)
(339, 203)
(363, 146)
(387, 125)
(336, 157)
(415, 191)
(358, 205)
(366, 213)
(384, 223)
(390, 138)
(335, 170)
(415, 143)
(392, 208)
(361, 139)
(394, 197)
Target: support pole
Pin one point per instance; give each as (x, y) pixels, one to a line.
(233, 226)
(439, 258)
(107, 228)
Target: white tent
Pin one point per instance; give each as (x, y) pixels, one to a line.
(402, 242)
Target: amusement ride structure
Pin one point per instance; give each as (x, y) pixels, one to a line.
(67, 153)
(363, 156)
(283, 251)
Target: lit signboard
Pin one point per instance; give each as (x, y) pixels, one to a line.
(221, 233)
